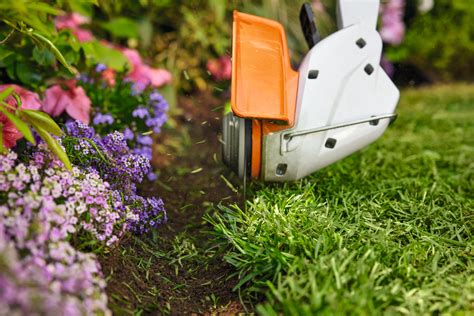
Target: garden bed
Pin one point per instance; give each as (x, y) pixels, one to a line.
(178, 270)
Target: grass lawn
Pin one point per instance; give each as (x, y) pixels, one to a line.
(387, 230)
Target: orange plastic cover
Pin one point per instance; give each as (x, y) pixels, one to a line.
(264, 85)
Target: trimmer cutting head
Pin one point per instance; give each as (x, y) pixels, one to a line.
(237, 136)
(286, 124)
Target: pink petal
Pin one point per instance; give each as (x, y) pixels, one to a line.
(139, 75)
(159, 77)
(55, 100)
(79, 19)
(83, 35)
(70, 21)
(78, 114)
(10, 135)
(80, 105)
(133, 57)
(220, 69)
(29, 99)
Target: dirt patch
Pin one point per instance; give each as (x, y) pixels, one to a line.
(174, 271)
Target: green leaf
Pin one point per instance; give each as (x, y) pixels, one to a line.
(54, 147)
(5, 93)
(122, 27)
(43, 7)
(43, 56)
(97, 52)
(4, 53)
(27, 74)
(53, 49)
(43, 120)
(11, 71)
(19, 124)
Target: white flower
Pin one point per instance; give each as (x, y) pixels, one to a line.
(425, 5)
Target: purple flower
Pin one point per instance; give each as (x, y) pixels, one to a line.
(138, 87)
(84, 78)
(156, 97)
(79, 129)
(103, 119)
(159, 103)
(145, 151)
(140, 112)
(152, 177)
(100, 68)
(123, 169)
(387, 66)
(144, 140)
(115, 143)
(128, 134)
(46, 206)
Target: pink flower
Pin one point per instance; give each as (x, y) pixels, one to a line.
(220, 68)
(29, 100)
(73, 22)
(108, 75)
(83, 35)
(318, 6)
(158, 77)
(10, 133)
(73, 100)
(392, 30)
(144, 74)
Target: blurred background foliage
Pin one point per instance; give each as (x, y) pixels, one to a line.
(33, 52)
(440, 43)
(182, 36)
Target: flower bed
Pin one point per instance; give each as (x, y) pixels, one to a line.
(69, 187)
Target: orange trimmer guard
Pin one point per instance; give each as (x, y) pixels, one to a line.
(264, 86)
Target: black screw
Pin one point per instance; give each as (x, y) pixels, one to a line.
(330, 143)
(369, 69)
(281, 169)
(313, 74)
(361, 43)
(374, 122)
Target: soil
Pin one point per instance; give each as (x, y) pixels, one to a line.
(173, 271)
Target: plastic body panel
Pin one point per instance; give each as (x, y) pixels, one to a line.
(346, 89)
(263, 83)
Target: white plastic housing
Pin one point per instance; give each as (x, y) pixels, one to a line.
(350, 86)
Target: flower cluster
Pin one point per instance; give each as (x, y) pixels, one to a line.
(58, 201)
(67, 282)
(73, 23)
(143, 75)
(112, 159)
(140, 73)
(392, 29)
(42, 206)
(221, 68)
(141, 112)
